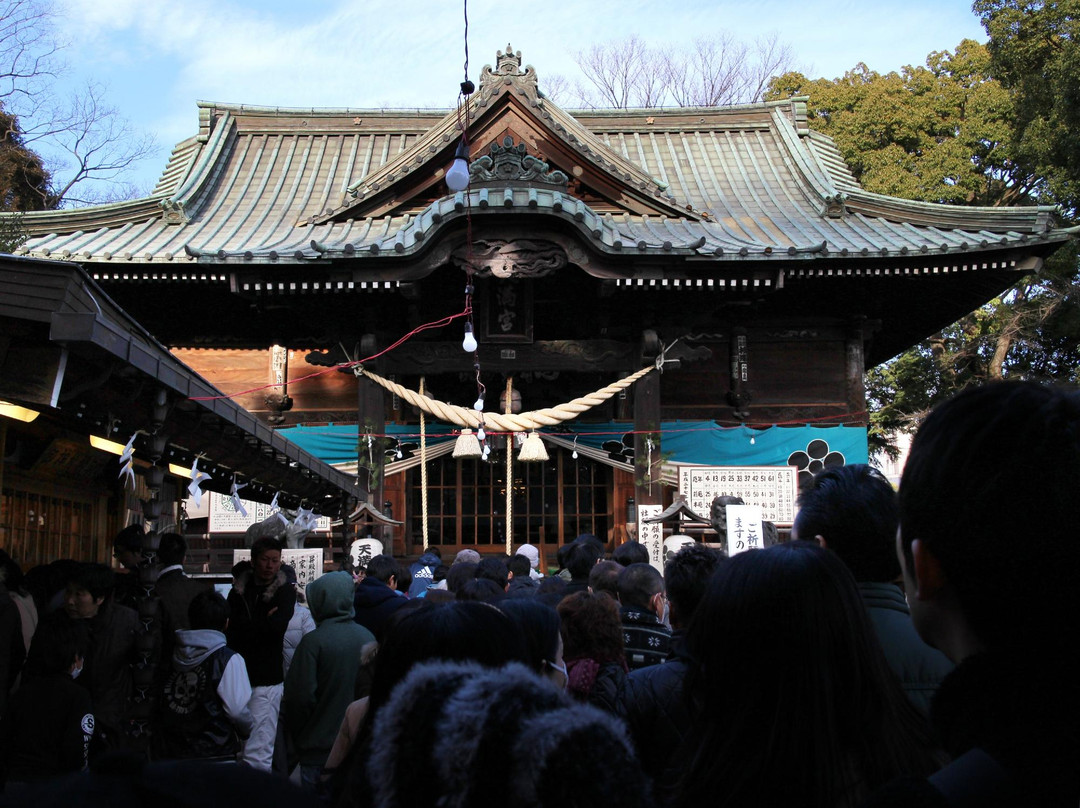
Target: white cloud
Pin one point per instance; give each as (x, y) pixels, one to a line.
(159, 57)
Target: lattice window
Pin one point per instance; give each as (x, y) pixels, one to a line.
(552, 502)
(41, 528)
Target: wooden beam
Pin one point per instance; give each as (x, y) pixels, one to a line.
(594, 356)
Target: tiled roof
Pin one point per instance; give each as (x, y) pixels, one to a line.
(739, 183)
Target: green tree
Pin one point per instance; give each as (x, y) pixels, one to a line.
(1034, 50)
(24, 181)
(944, 132)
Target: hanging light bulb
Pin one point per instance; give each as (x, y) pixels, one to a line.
(485, 452)
(753, 440)
(574, 453)
(478, 405)
(480, 433)
(398, 453)
(457, 178)
(469, 343)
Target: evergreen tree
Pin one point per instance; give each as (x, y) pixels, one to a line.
(950, 131)
(24, 181)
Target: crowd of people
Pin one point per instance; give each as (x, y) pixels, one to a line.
(898, 650)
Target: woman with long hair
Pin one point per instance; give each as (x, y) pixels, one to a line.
(793, 700)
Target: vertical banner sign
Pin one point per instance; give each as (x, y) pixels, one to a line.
(307, 563)
(743, 529)
(651, 534)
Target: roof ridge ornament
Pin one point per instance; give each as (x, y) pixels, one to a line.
(508, 71)
(512, 163)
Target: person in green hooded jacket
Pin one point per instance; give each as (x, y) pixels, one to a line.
(321, 681)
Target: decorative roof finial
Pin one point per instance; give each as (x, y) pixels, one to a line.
(509, 63)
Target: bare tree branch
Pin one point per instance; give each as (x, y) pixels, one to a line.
(82, 140)
(715, 70)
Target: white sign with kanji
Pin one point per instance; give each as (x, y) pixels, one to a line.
(225, 518)
(307, 563)
(651, 534)
(743, 529)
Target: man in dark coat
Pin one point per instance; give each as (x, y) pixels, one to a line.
(47, 732)
(175, 591)
(852, 510)
(646, 636)
(261, 604)
(987, 544)
(651, 699)
(111, 631)
(376, 596)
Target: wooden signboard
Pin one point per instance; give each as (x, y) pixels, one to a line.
(307, 563)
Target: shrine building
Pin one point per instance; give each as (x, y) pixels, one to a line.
(314, 267)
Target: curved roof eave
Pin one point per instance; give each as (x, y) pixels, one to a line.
(624, 236)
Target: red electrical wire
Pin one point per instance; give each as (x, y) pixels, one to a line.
(445, 321)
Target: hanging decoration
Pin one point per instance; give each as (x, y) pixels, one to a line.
(507, 422)
(127, 462)
(197, 478)
(274, 503)
(509, 473)
(467, 446)
(533, 451)
(423, 473)
(234, 495)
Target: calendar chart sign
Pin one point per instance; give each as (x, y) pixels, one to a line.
(773, 489)
(307, 563)
(651, 534)
(224, 518)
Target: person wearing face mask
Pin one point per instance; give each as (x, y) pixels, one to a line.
(539, 627)
(651, 699)
(48, 730)
(646, 633)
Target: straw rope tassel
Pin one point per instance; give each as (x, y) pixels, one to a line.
(494, 422)
(423, 473)
(509, 472)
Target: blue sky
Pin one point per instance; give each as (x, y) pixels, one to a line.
(157, 58)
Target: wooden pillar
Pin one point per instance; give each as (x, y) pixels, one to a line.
(647, 488)
(855, 368)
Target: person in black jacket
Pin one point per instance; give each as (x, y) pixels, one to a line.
(651, 699)
(852, 510)
(110, 654)
(261, 604)
(987, 542)
(376, 595)
(47, 732)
